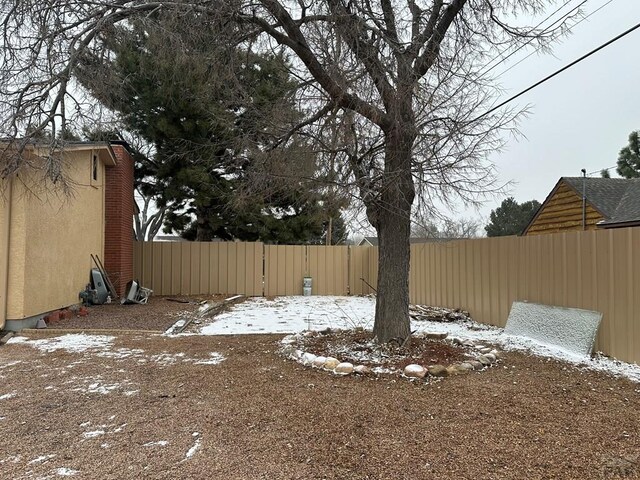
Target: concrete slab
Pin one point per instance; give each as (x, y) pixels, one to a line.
(571, 329)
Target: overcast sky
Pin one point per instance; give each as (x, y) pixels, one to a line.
(581, 118)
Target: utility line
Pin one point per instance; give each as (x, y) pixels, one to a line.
(557, 72)
(538, 49)
(602, 169)
(504, 59)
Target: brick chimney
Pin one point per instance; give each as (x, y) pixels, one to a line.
(118, 225)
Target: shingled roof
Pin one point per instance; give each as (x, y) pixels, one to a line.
(617, 199)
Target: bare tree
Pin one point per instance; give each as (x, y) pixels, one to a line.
(406, 76)
(448, 229)
(147, 223)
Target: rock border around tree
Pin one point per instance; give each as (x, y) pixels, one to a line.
(480, 359)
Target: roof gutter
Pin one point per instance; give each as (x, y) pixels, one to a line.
(5, 243)
(628, 223)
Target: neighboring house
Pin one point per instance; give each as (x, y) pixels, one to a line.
(47, 237)
(373, 241)
(608, 203)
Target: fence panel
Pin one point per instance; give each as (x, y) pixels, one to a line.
(285, 267)
(593, 270)
(328, 267)
(363, 267)
(192, 268)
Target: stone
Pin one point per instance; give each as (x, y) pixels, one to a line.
(288, 350)
(485, 350)
(307, 358)
(319, 361)
(456, 341)
(435, 336)
(288, 340)
(466, 366)
(362, 369)
(468, 343)
(438, 371)
(453, 370)
(484, 360)
(415, 371)
(476, 364)
(331, 363)
(491, 357)
(496, 353)
(344, 368)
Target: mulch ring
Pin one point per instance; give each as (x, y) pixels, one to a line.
(437, 355)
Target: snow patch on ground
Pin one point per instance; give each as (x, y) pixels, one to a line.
(17, 339)
(159, 443)
(102, 346)
(41, 459)
(497, 336)
(295, 314)
(196, 446)
(66, 472)
(12, 459)
(93, 433)
(73, 343)
(9, 395)
(292, 314)
(214, 359)
(10, 364)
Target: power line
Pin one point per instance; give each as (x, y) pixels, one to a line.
(557, 72)
(483, 73)
(538, 49)
(601, 170)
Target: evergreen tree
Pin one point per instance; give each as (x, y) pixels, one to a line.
(510, 218)
(629, 157)
(210, 112)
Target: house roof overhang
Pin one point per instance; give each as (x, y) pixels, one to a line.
(35, 149)
(548, 199)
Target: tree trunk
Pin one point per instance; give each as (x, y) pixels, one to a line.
(394, 226)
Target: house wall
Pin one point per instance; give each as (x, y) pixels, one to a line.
(52, 236)
(5, 213)
(118, 253)
(563, 213)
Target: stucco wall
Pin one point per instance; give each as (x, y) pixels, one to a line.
(52, 237)
(5, 189)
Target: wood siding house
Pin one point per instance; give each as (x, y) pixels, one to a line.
(608, 203)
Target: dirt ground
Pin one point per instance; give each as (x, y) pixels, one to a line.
(158, 314)
(258, 416)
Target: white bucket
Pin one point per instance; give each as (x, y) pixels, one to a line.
(306, 291)
(306, 282)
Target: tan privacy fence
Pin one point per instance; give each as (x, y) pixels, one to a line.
(193, 268)
(594, 270)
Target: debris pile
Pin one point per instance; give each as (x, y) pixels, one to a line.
(437, 314)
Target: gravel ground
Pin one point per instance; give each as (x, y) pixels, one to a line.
(257, 416)
(158, 314)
